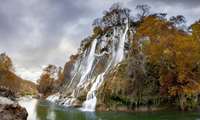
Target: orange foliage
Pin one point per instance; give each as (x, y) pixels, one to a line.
(45, 83)
(176, 52)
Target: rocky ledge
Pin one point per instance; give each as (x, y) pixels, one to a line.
(10, 109)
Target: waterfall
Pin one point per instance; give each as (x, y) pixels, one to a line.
(76, 70)
(53, 98)
(117, 57)
(86, 82)
(84, 67)
(90, 103)
(120, 49)
(89, 63)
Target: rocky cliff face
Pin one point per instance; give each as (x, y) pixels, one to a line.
(98, 55)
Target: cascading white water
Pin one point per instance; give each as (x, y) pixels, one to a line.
(76, 70)
(85, 66)
(85, 70)
(53, 98)
(120, 49)
(90, 103)
(117, 57)
(89, 63)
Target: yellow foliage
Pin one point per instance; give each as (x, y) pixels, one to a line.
(176, 52)
(196, 30)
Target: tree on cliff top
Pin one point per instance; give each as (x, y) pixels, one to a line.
(5, 62)
(144, 10)
(116, 15)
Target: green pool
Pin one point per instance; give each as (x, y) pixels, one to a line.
(43, 110)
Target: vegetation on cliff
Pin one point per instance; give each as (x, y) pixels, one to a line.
(161, 68)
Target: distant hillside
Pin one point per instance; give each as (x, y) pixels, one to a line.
(10, 80)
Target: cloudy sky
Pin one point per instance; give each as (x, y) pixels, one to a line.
(39, 32)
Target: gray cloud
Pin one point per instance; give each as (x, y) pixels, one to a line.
(31, 31)
(39, 32)
(184, 3)
(189, 8)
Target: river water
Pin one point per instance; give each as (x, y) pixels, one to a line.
(43, 110)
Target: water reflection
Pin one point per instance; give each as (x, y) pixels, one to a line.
(43, 110)
(47, 111)
(30, 105)
(51, 114)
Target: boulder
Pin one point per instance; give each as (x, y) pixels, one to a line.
(11, 110)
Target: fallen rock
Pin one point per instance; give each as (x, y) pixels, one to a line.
(11, 110)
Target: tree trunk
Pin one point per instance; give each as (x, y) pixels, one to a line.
(182, 102)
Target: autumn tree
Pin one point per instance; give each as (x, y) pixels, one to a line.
(116, 15)
(196, 30)
(177, 55)
(5, 62)
(45, 84)
(50, 79)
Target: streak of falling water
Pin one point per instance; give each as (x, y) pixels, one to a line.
(120, 50)
(86, 66)
(89, 64)
(91, 100)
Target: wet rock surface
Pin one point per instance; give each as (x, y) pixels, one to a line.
(9, 108)
(12, 112)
